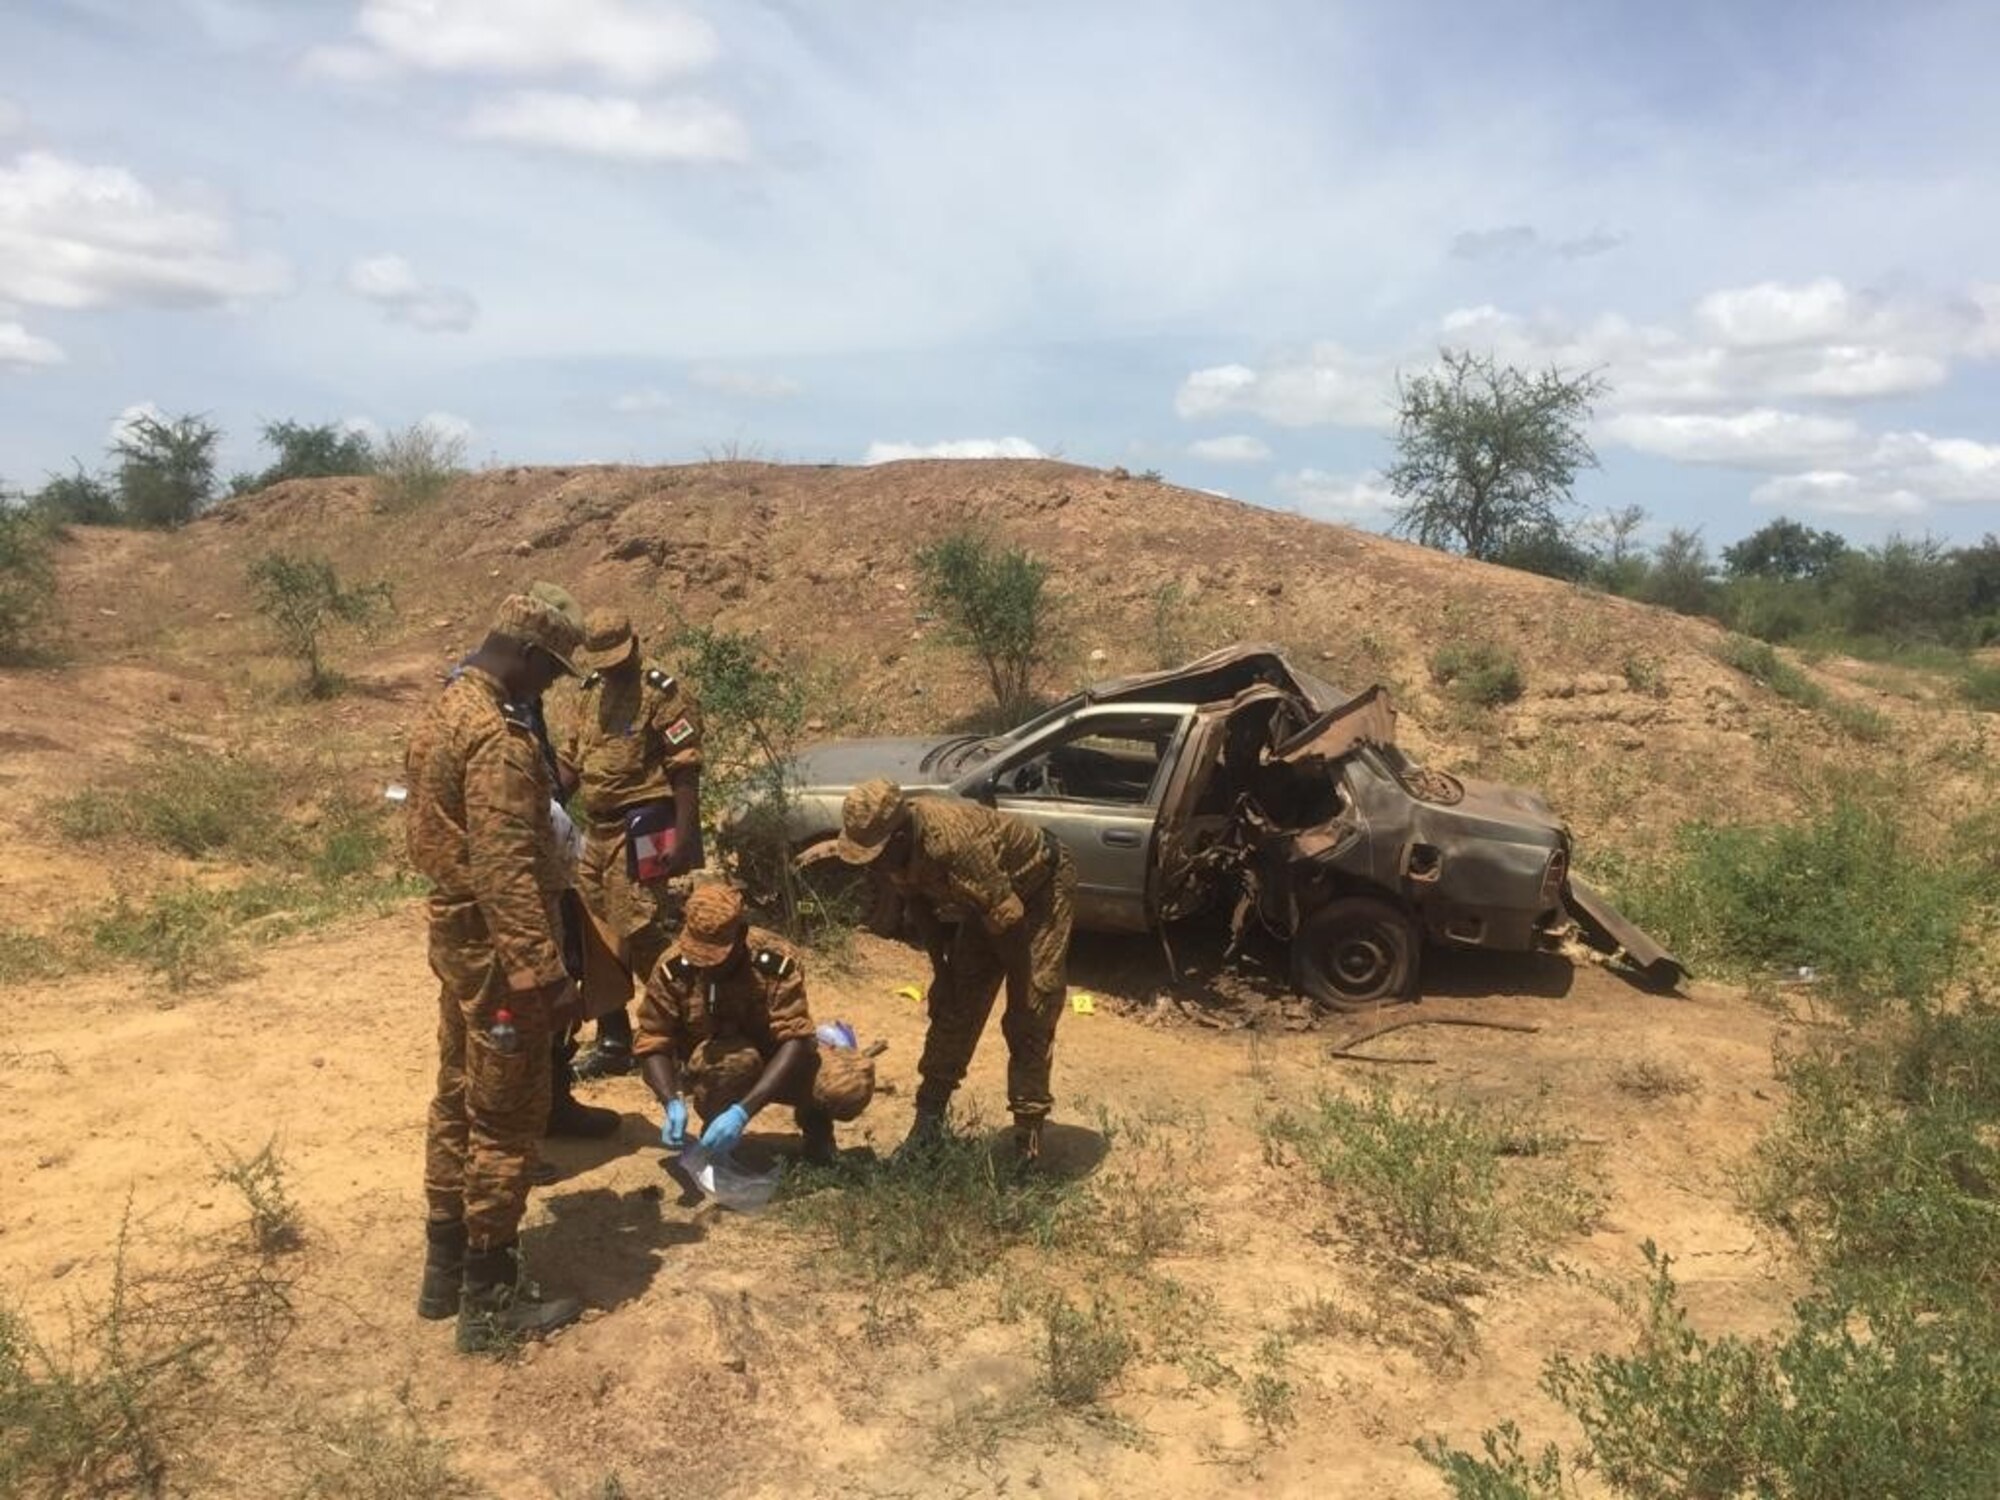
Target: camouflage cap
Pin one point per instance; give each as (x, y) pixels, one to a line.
(869, 818)
(563, 600)
(608, 639)
(532, 620)
(712, 923)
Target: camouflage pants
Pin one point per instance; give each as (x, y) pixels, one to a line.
(487, 1117)
(644, 917)
(962, 998)
(722, 1070)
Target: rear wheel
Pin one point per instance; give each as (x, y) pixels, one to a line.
(1356, 952)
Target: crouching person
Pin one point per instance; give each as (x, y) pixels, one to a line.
(723, 1024)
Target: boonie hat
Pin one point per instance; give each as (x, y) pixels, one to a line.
(710, 926)
(534, 621)
(869, 818)
(608, 638)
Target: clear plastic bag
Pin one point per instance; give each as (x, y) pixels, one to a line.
(728, 1184)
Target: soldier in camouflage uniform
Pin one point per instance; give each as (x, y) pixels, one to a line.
(1011, 889)
(724, 1019)
(634, 742)
(479, 828)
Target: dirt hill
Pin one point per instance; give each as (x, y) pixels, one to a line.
(1228, 1327)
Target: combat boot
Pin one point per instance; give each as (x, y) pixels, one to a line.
(499, 1309)
(1027, 1141)
(570, 1116)
(926, 1132)
(444, 1268)
(816, 1126)
(607, 1057)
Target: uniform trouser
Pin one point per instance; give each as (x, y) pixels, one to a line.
(643, 917)
(487, 1116)
(720, 1071)
(962, 999)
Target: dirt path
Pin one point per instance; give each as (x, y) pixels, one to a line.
(732, 1355)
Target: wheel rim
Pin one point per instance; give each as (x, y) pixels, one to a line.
(1361, 962)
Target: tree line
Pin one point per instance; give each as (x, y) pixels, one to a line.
(1487, 454)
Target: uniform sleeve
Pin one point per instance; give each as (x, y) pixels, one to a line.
(785, 1006)
(679, 723)
(978, 883)
(658, 1026)
(506, 814)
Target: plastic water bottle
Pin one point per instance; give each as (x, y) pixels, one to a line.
(836, 1034)
(502, 1034)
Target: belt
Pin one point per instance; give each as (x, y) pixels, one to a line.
(615, 822)
(1045, 868)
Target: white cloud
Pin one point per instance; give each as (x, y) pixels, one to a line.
(392, 284)
(1328, 385)
(1006, 447)
(671, 130)
(1235, 448)
(1773, 313)
(1346, 497)
(20, 349)
(74, 235)
(451, 428)
(645, 399)
(122, 424)
(1836, 492)
(629, 41)
(1761, 438)
(745, 383)
(1896, 474)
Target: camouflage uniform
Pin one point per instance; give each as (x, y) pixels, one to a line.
(721, 1031)
(991, 873)
(479, 829)
(632, 731)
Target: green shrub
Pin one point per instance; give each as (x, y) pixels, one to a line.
(78, 499)
(1845, 893)
(415, 466)
(1422, 1175)
(1980, 686)
(942, 1215)
(1083, 1350)
(1478, 673)
(1757, 661)
(303, 598)
(27, 583)
(996, 603)
(1849, 1404)
(310, 451)
(166, 470)
(187, 801)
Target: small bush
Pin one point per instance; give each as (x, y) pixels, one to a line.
(1845, 893)
(303, 598)
(1757, 661)
(166, 470)
(996, 603)
(1650, 1079)
(1644, 674)
(1083, 1350)
(1980, 686)
(1478, 673)
(415, 466)
(187, 801)
(27, 583)
(1859, 721)
(312, 451)
(260, 1180)
(1422, 1176)
(941, 1215)
(78, 499)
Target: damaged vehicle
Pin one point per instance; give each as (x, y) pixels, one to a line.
(1239, 782)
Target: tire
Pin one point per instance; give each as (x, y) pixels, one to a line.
(1356, 952)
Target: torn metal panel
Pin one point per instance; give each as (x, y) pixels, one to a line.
(1610, 931)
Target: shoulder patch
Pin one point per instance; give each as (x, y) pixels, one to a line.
(520, 715)
(656, 678)
(679, 732)
(681, 969)
(772, 964)
(595, 679)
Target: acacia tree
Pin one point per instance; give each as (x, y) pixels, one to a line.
(166, 470)
(303, 598)
(310, 451)
(1486, 453)
(996, 603)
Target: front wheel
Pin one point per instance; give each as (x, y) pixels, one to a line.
(1356, 952)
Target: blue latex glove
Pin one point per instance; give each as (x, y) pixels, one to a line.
(674, 1132)
(725, 1130)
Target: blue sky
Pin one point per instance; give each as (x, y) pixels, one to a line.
(1201, 238)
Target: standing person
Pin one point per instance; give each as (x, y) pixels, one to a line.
(1012, 889)
(634, 752)
(724, 1018)
(479, 828)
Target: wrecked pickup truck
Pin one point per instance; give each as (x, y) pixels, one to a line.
(1239, 781)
